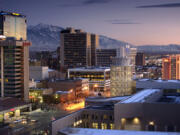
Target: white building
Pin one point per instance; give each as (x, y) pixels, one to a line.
(38, 72)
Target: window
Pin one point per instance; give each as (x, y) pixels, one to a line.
(110, 117)
(104, 116)
(151, 128)
(103, 126)
(170, 128)
(95, 125)
(111, 126)
(92, 117)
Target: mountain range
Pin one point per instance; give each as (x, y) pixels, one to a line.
(46, 37)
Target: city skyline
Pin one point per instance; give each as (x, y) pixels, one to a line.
(138, 22)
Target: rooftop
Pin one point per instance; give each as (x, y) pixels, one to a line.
(159, 80)
(141, 96)
(85, 131)
(12, 14)
(9, 103)
(101, 107)
(66, 80)
(104, 99)
(90, 69)
(170, 99)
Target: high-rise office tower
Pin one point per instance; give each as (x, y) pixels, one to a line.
(14, 56)
(171, 68)
(140, 59)
(78, 48)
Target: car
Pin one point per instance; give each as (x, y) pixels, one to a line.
(17, 121)
(34, 121)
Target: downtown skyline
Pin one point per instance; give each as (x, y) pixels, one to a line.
(138, 22)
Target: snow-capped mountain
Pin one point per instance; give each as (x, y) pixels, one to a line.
(47, 37)
(44, 37)
(171, 48)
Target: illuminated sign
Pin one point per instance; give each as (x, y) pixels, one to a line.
(15, 14)
(12, 109)
(26, 43)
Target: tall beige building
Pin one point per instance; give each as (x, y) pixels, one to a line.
(78, 48)
(121, 77)
(14, 56)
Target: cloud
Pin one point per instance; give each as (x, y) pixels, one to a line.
(121, 21)
(88, 2)
(69, 5)
(85, 3)
(168, 5)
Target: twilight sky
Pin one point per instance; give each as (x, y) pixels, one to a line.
(135, 21)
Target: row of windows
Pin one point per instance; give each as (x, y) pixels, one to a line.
(96, 117)
(103, 126)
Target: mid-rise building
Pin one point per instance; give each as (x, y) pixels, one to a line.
(69, 90)
(78, 48)
(99, 78)
(121, 77)
(39, 72)
(105, 57)
(14, 52)
(140, 59)
(171, 68)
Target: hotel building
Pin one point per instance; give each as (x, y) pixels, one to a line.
(14, 56)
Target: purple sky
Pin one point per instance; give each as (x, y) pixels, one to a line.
(135, 21)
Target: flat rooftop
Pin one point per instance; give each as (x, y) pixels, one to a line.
(88, 131)
(104, 99)
(141, 96)
(157, 84)
(170, 99)
(159, 80)
(101, 107)
(90, 69)
(9, 103)
(66, 80)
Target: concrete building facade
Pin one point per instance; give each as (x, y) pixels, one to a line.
(121, 77)
(39, 72)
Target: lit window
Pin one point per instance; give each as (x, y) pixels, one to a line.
(123, 120)
(136, 120)
(95, 125)
(151, 123)
(111, 126)
(103, 126)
